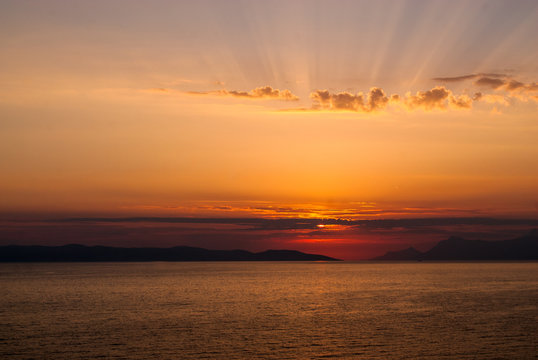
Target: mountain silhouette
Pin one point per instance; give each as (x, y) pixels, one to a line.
(74, 253)
(456, 248)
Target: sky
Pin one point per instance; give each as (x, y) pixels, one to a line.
(323, 110)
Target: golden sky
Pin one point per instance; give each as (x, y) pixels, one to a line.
(348, 109)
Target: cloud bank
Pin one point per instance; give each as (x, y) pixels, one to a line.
(438, 98)
(491, 88)
(501, 88)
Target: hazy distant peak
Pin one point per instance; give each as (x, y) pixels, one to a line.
(533, 234)
(408, 254)
(455, 238)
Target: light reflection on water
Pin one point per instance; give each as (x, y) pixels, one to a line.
(237, 310)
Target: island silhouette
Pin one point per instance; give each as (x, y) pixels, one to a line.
(456, 248)
(82, 253)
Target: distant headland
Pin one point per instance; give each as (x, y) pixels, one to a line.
(81, 253)
(455, 249)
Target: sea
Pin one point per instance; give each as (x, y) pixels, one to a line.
(269, 310)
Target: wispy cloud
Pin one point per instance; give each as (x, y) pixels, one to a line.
(270, 210)
(264, 92)
(468, 77)
(158, 90)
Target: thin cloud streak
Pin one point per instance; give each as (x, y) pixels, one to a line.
(264, 92)
(468, 77)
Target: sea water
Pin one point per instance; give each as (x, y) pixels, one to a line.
(269, 310)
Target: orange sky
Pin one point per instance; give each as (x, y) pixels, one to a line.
(353, 110)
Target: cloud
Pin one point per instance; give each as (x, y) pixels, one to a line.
(510, 85)
(493, 83)
(468, 77)
(460, 102)
(375, 100)
(395, 98)
(514, 85)
(339, 101)
(264, 92)
(491, 98)
(428, 100)
(455, 78)
(158, 90)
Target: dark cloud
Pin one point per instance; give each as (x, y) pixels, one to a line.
(455, 78)
(514, 85)
(468, 77)
(493, 83)
(302, 223)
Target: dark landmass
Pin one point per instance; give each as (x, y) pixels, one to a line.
(455, 248)
(81, 253)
